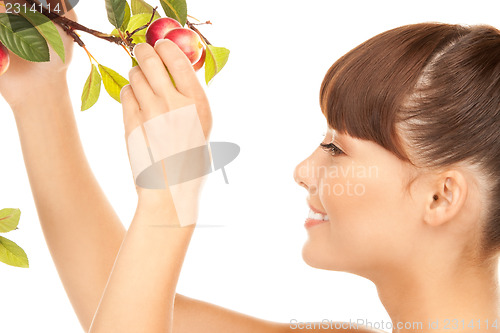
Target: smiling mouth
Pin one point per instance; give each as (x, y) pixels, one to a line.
(317, 216)
(315, 219)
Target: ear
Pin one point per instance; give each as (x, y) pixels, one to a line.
(447, 199)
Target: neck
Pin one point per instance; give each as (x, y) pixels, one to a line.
(433, 298)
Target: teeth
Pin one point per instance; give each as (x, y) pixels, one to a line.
(317, 216)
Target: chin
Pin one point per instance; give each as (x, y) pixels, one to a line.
(323, 257)
(316, 256)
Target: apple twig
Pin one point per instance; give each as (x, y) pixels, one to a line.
(90, 55)
(192, 27)
(145, 25)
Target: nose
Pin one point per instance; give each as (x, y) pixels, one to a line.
(311, 172)
(302, 174)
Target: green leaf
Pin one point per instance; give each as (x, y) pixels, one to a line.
(137, 21)
(9, 219)
(19, 36)
(113, 82)
(46, 28)
(116, 12)
(91, 89)
(176, 9)
(141, 6)
(12, 254)
(134, 62)
(216, 58)
(126, 17)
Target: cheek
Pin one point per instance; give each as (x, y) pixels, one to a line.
(365, 208)
(359, 193)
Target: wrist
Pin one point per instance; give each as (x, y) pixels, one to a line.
(162, 208)
(51, 94)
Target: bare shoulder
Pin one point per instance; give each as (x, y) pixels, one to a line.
(192, 315)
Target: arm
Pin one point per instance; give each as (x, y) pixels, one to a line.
(83, 232)
(140, 293)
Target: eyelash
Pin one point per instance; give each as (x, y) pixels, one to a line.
(331, 148)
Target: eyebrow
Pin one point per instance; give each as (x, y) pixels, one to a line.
(346, 145)
(334, 132)
(336, 135)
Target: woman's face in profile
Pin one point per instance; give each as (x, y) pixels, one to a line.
(373, 219)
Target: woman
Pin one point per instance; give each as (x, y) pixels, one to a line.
(413, 121)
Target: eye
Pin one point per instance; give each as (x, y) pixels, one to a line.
(331, 148)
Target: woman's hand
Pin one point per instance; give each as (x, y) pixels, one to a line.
(37, 80)
(151, 93)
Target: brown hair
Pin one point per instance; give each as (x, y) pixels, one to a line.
(439, 85)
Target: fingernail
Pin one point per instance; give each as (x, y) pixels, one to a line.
(159, 41)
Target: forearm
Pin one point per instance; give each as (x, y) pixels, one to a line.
(82, 231)
(140, 293)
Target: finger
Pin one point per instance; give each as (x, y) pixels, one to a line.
(131, 109)
(142, 90)
(154, 69)
(180, 67)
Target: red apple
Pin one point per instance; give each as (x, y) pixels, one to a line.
(188, 41)
(159, 28)
(200, 62)
(4, 59)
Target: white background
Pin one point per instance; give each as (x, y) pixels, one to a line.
(266, 101)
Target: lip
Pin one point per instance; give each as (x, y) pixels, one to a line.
(316, 210)
(310, 222)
